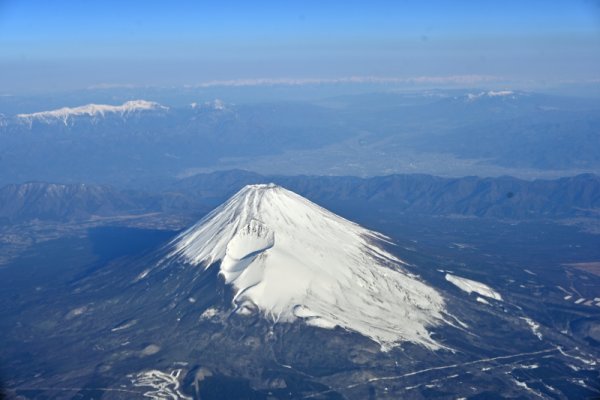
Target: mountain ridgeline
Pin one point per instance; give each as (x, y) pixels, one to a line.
(504, 197)
(65, 202)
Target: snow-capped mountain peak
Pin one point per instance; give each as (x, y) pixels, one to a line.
(215, 105)
(289, 259)
(91, 110)
(508, 94)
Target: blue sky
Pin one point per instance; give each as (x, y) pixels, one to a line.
(80, 43)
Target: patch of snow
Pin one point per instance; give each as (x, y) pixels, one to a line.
(491, 93)
(149, 350)
(462, 324)
(581, 359)
(535, 327)
(527, 388)
(164, 386)
(582, 383)
(563, 290)
(500, 93)
(246, 308)
(76, 312)
(293, 259)
(529, 366)
(579, 301)
(462, 245)
(124, 325)
(91, 110)
(470, 286)
(209, 313)
(182, 363)
(142, 275)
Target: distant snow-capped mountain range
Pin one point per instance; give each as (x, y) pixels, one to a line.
(495, 93)
(67, 114)
(92, 110)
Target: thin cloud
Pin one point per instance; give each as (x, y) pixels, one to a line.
(454, 79)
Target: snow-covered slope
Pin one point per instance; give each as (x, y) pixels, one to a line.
(469, 286)
(290, 259)
(91, 110)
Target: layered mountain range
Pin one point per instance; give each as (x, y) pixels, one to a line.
(454, 133)
(505, 198)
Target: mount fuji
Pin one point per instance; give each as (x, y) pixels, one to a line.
(290, 259)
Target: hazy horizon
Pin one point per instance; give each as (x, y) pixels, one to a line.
(70, 45)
